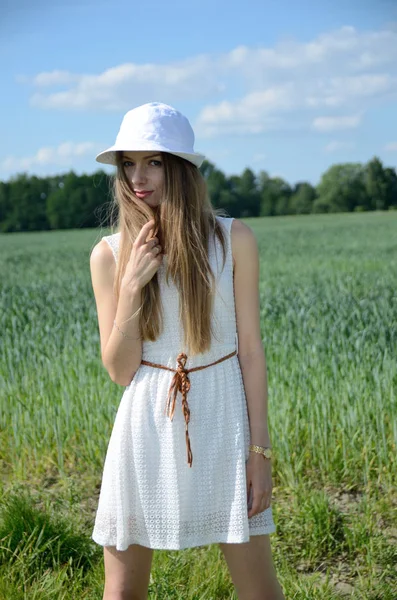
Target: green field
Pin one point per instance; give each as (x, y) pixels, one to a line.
(329, 327)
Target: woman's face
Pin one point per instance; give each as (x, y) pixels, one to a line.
(145, 173)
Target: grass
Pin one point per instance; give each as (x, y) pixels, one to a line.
(329, 328)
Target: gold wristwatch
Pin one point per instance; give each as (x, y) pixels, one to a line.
(266, 451)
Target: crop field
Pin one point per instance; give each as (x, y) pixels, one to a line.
(328, 293)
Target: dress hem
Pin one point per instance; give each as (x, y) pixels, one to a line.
(225, 539)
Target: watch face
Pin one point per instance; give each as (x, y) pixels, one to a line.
(268, 453)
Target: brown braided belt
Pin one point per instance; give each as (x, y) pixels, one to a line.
(180, 382)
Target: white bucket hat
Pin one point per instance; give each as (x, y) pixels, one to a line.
(154, 126)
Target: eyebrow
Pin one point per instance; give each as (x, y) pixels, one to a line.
(149, 156)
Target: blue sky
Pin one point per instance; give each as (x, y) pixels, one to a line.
(287, 86)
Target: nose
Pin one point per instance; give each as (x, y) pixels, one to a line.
(139, 174)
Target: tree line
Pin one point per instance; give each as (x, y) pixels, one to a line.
(31, 203)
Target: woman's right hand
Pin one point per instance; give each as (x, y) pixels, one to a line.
(145, 258)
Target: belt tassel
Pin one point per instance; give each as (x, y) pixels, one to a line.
(181, 383)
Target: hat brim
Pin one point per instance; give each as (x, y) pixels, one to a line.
(108, 157)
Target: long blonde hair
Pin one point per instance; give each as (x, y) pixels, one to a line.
(184, 221)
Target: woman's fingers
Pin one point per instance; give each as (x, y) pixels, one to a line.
(144, 232)
(260, 502)
(145, 258)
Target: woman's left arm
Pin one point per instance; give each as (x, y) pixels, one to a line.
(252, 361)
(251, 353)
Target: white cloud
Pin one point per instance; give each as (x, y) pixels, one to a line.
(64, 155)
(391, 147)
(341, 91)
(55, 78)
(114, 88)
(360, 50)
(251, 114)
(336, 145)
(336, 123)
(292, 85)
(261, 110)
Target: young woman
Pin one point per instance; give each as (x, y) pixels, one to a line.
(188, 461)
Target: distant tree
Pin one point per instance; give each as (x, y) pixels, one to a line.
(207, 168)
(73, 203)
(59, 202)
(275, 196)
(5, 207)
(249, 192)
(216, 182)
(229, 202)
(341, 188)
(26, 203)
(322, 205)
(375, 185)
(302, 198)
(29, 203)
(380, 185)
(391, 179)
(244, 188)
(268, 197)
(262, 178)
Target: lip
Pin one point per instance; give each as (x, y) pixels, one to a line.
(143, 194)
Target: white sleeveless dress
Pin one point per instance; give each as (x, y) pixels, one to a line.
(149, 493)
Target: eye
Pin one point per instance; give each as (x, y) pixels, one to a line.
(129, 163)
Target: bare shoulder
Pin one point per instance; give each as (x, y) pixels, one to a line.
(102, 263)
(244, 244)
(246, 289)
(103, 269)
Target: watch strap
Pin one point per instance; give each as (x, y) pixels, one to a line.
(266, 451)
